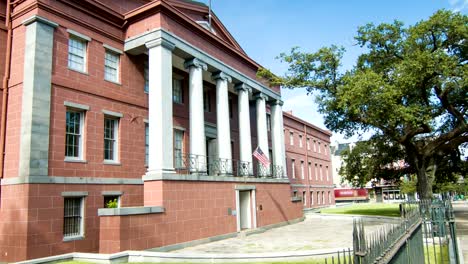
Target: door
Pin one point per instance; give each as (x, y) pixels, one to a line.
(245, 210)
(212, 155)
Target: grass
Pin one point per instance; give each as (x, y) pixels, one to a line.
(374, 209)
(434, 254)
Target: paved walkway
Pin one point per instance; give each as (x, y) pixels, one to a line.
(461, 218)
(314, 233)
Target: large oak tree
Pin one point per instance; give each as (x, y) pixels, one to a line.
(408, 86)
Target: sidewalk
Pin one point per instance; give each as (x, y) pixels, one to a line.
(461, 218)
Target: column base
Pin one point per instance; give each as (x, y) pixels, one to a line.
(157, 174)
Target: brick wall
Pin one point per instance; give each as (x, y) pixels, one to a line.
(193, 210)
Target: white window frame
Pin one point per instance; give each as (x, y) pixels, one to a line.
(177, 99)
(81, 135)
(291, 138)
(116, 149)
(302, 170)
(293, 169)
(316, 171)
(181, 148)
(73, 39)
(146, 143)
(108, 55)
(80, 235)
(300, 141)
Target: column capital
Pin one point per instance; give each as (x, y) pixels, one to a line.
(160, 42)
(243, 87)
(195, 63)
(221, 76)
(40, 19)
(277, 102)
(261, 96)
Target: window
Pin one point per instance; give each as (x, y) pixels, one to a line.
(294, 193)
(73, 217)
(111, 129)
(319, 151)
(304, 198)
(177, 91)
(111, 201)
(146, 144)
(230, 108)
(310, 171)
(291, 138)
(323, 198)
(74, 134)
(316, 171)
(146, 76)
(315, 146)
(329, 197)
(318, 197)
(206, 101)
(268, 121)
(325, 149)
(302, 169)
(326, 172)
(293, 170)
(111, 66)
(321, 172)
(308, 143)
(178, 148)
(311, 198)
(77, 54)
(300, 141)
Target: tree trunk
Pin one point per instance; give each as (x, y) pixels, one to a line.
(426, 175)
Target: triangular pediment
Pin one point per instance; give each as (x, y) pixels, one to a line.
(198, 12)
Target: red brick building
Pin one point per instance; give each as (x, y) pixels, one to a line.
(136, 103)
(308, 161)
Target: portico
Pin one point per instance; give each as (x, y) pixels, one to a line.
(166, 51)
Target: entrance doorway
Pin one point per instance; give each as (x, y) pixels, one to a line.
(211, 154)
(245, 210)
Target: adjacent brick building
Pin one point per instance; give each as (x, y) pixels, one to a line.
(308, 160)
(143, 104)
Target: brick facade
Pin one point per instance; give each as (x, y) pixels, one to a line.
(32, 206)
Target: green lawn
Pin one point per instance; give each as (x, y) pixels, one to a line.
(376, 209)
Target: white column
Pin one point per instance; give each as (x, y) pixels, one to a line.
(197, 115)
(262, 133)
(223, 126)
(161, 156)
(245, 144)
(277, 136)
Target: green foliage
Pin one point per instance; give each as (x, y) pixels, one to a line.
(408, 187)
(377, 209)
(409, 87)
(112, 203)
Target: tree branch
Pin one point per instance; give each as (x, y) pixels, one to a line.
(442, 95)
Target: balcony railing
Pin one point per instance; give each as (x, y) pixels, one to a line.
(214, 166)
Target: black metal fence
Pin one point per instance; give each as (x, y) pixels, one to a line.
(214, 166)
(425, 234)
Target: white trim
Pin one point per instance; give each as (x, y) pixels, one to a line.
(254, 208)
(111, 113)
(76, 105)
(237, 211)
(110, 48)
(78, 35)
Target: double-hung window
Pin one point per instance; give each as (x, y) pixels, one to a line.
(302, 169)
(177, 91)
(300, 141)
(111, 132)
(77, 54)
(111, 66)
(268, 121)
(178, 148)
(77, 51)
(74, 134)
(293, 168)
(73, 217)
(291, 138)
(146, 143)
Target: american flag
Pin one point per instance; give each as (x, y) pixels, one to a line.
(258, 153)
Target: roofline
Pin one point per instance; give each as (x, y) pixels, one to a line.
(328, 132)
(165, 5)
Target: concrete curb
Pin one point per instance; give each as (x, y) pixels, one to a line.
(147, 256)
(342, 216)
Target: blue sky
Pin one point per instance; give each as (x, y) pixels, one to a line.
(265, 28)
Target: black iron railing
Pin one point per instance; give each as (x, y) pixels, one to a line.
(213, 166)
